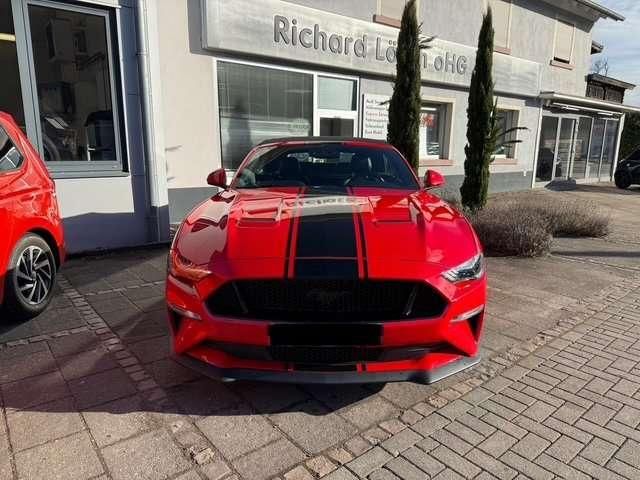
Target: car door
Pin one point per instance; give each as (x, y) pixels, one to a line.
(12, 168)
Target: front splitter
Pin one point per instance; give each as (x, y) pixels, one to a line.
(311, 377)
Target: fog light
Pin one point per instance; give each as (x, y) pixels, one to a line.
(184, 312)
(468, 315)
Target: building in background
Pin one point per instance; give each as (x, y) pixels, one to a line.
(133, 103)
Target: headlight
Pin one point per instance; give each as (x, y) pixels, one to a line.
(184, 269)
(470, 270)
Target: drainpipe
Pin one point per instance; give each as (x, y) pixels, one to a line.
(158, 206)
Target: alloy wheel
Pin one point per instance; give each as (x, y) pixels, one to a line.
(34, 275)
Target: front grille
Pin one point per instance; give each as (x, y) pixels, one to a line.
(326, 300)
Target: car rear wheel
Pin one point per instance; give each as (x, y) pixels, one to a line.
(622, 179)
(30, 279)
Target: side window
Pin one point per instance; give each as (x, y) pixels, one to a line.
(635, 155)
(563, 49)
(10, 157)
(501, 22)
(506, 119)
(389, 12)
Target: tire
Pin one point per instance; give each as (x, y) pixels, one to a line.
(622, 180)
(30, 278)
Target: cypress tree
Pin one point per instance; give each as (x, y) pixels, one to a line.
(481, 134)
(403, 130)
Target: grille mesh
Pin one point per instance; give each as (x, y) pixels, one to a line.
(326, 300)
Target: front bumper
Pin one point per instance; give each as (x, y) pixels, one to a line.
(320, 377)
(231, 348)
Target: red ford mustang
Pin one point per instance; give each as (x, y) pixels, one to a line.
(325, 261)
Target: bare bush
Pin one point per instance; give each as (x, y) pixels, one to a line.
(524, 224)
(569, 218)
(511, 230)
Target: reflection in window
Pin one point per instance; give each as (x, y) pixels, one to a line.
(432, 122)
(258, 103)
(506, 119)
(10, 90)
(595, 151)
(73, 75)
(10, 157)
(336, 93)
(610, 138)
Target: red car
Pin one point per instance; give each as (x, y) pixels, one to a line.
(326, 261)
(32, 240)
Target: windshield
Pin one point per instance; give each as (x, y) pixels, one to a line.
(325, 165)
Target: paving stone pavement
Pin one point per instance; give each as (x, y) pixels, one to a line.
(87, 390)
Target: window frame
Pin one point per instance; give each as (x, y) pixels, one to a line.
(515, 122)
(555, 60)
(18, 147)
(441, 109)
(84, 168)
(448, 107)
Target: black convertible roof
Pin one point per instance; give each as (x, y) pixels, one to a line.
(322, 140)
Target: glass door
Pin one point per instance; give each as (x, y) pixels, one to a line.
(547, 148)
(565, 148)
(609, 150)
(337, 112)
(603, 148)
(581, 148)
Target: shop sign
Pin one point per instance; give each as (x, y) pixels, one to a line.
(290, 32)
(375, 116)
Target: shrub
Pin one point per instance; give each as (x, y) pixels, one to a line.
(569, 218)
(511, 229)
(523, 225)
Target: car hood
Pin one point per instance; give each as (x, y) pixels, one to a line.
(382, 224)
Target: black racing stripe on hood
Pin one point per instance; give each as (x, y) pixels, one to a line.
(326, 268)
(328, 234)
(326, 242)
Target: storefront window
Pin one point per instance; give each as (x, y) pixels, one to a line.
(432, 122)
(547, 148)
(610, 138)
(74, 77)
(258, 103)
(595, 152)
(10, 90)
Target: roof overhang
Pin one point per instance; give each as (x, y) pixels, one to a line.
(604, 12)
(586, 8)
(586, 103)
(610, 81)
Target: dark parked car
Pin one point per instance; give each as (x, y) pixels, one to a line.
(628, 171)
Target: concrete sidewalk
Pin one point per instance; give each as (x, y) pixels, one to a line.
(87, 390)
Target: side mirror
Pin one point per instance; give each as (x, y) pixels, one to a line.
(218, 178)
(433, 179)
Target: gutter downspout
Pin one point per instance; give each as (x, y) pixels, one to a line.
(157, 208)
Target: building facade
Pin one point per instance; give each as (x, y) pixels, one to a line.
(134, 103)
